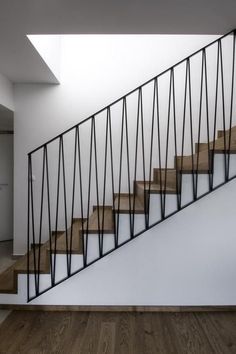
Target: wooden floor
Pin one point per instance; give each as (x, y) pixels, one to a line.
(106, 332)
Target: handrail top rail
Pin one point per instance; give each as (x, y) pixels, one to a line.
(132, 91)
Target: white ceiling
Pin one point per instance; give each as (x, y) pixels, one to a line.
(21, 63)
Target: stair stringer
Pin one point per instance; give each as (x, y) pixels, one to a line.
(189, 259)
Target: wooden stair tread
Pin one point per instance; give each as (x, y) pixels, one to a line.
(221, 143)
(156, 188)
(122, 204)
(76, 246)
(101, 219)
(199, 162)
(165, 177)
(221, 133)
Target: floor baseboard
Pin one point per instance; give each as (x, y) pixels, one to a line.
(119, 308)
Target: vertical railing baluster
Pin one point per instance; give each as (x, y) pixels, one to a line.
(215, 113)
(135, 164)
(178, 199)
(81, 231)
(73, 201)
(191, 130)
(207, 119)
(41, 217)
(167, 138)
(120, 174)
(231, 103)
(104, 181)
(33, 227)
(179, 172)
(143, 160)
(65, 206)
(49, 214)
(151, 150)
(128, 164)
(112, 176)
(199, 124)
(162, 206)
(187, 93)
(223, 108)
(97, 187)
(89, 185)
(57, 211)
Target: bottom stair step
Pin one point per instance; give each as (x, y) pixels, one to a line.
(8, 279)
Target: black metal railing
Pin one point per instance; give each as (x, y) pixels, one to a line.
(131, 165)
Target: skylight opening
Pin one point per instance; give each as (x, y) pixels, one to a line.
(49, 48)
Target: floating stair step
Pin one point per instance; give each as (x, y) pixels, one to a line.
(221, 145)
(221, 133)
(165, 176)
(155, 188)
(8, 279)
(199, 147)
(197, 163)
(101, 218)
(125, 203)
(75, 246)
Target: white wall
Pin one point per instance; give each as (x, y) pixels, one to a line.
(6, 92)
(94, 71)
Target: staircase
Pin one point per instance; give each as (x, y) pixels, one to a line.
(130, 166)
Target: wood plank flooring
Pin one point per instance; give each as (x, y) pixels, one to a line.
(118, 333)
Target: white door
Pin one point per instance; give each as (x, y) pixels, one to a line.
(6, 187)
